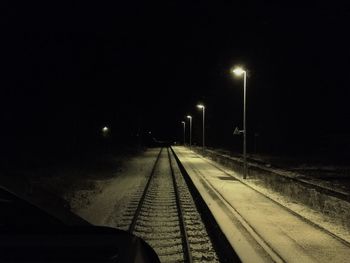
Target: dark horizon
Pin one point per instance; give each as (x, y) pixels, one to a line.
(73, 68)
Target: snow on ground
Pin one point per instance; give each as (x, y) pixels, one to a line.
(318, 218)
(332, 177)
(93, 190)
(330, 224)
(327, 173)
(327, 222)
(292, 238)
(115, 192)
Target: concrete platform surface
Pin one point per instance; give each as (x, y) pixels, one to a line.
(259, 229)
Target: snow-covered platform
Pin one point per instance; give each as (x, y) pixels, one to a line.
(258, 228)
(329, 202)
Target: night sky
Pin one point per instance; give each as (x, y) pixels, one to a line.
(70, 68)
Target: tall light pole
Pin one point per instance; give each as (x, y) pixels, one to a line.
(239, 72)
(184, 124)
(190, 118)
(201, 106)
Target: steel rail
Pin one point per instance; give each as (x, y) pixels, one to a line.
(140, 204)
(185, 241)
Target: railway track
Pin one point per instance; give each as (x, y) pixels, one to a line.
(163, 213)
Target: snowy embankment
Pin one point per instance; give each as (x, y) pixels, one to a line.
(102, 204)
(93, 190)
(324, 206)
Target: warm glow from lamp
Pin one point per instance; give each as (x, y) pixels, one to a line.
(238, 71)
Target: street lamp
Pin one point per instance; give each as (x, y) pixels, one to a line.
(105, 131)
(201, 106)
(184, 123)
(190, 118)
(239, 71)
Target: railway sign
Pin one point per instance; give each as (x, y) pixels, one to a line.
(237, 131)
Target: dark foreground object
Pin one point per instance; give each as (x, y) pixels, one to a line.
(29, 234)
(73, 244)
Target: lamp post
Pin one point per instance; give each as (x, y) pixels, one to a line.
(201, 106)
(184, 124)
(190, 118)
(239, 72)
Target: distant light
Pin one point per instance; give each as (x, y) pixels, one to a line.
(188, 116)
(200, 106)
(105, 129)
(238, 71)
(183, 122)
(149, 132)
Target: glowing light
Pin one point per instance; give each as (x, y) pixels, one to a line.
(188, 116)
(183, 122)
(200, 106)
(105, 129)
(238, 71)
